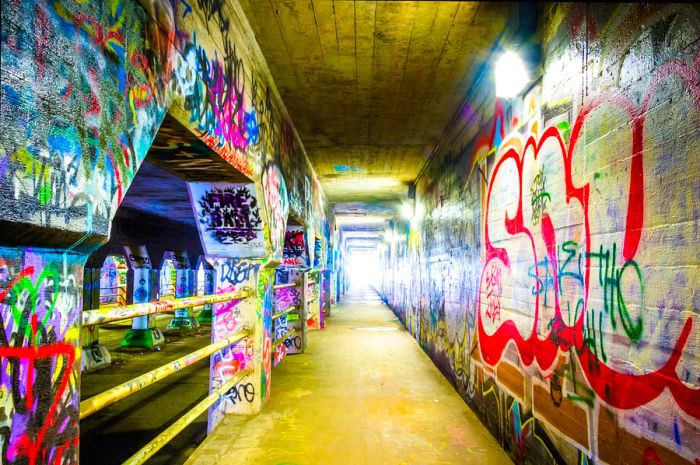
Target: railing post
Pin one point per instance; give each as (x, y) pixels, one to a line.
(93, 354)
(254, 314)
(142, 332)
(183, 319)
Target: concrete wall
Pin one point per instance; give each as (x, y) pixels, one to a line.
(552, 272)
(85, 87)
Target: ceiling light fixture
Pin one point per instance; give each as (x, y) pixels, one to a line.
(511, 75)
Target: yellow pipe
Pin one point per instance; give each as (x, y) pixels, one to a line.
(284, 286)
(173, 430)
(125, 312)
(284, 312)
(110, 396)
(283, 338)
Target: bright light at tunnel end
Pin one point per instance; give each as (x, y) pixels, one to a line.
(511, 75)
(407, 211)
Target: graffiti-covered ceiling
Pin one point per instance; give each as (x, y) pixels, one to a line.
(372, 85)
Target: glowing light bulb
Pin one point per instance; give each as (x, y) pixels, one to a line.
(511, 75)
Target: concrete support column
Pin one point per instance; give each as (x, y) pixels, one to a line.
(143, 332)
(205, 316)
(183, 318)
(313, 299)
(254, 314)
(41, 292)
(334, 289)
(93, 354)
(285, 298)
(326, 292)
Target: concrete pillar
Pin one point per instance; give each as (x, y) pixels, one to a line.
(183, 318)
(334, 288)
(205, 316)
(254, 314)
(143, 332)
(41, 294)
(313, 291)
(285, 298)
(326, 292)
(93, 354)
(242, 229)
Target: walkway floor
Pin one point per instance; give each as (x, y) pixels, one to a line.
(363, 393)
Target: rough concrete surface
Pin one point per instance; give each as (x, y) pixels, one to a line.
(363, 393)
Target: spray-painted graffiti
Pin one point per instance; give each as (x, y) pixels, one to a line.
(85, 87)
(619, 283)
(287, 297)
(40, 298)
(275, 192)
(238, 272)
(229, 219)
(566, 317)
(295, 252)
(69, 169)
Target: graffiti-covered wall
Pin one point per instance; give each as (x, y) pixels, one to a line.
(552, 271)
(85, 87)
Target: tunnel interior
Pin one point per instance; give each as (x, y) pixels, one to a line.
(367, 231)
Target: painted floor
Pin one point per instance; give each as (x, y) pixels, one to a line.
(363, 393)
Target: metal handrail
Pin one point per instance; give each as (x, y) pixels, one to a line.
(284, 286)
(284, 312)
(126, 312)
(147, 451)
(110, 396)
(283, 338)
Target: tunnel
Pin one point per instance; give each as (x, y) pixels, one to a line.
(319, 232)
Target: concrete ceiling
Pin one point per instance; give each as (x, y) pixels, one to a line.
(372, 85)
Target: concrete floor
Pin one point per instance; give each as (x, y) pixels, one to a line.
(364, 393)
(114, 434)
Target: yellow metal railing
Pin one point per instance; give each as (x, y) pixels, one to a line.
(110, 396)
(284, 312)
(125, 312)
(284, 286)
(283, 338)
(173, 430)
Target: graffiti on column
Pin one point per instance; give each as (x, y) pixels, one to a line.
(228, 219)
(39, 306)
(275, 192)
(295, 252)
(318, 252)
